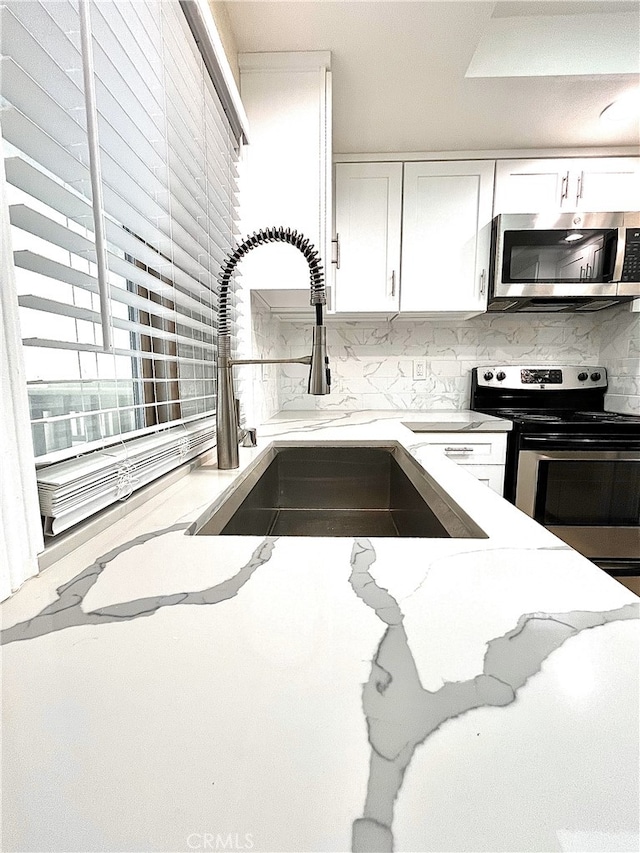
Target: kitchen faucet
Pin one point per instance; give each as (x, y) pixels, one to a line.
(227, 426)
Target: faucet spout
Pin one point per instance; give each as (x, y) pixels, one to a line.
(319, 372)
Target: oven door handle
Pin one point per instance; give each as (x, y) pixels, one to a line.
(587, 443)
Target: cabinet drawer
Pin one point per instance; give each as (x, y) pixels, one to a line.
(490, 475)
(477, 449)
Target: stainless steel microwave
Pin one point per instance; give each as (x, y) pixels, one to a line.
(564, 262)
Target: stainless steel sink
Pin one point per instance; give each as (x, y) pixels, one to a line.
(337, 490)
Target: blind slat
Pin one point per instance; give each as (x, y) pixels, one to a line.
(76, 346)
(26, 95)
(42, 226)
(20, 130)
(27, 177)
(28, 219)
(33, 262)
(46, 48)
(39, 303)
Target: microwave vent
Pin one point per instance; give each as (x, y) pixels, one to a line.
(538, 305)
(597, 305)
(502, 306)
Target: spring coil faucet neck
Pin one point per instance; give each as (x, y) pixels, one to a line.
(227, 432)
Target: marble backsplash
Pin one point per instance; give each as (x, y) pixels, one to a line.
(372, 362)
(258, 385)
(619, 333)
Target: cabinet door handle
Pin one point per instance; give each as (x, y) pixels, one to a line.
(579, 187)
(483, 282)
(564, 190)
(458, 450)
(337, 244)
(587, 272)
(393, 282)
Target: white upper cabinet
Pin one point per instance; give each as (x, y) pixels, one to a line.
(587, 184)
(610, 183)
(368, 211)
(530, 186)
(446, 236)
(286, 167)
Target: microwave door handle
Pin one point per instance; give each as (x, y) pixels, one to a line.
(620, 252)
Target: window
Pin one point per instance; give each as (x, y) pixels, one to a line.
(116, 278)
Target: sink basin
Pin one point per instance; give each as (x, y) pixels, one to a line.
(336, 490)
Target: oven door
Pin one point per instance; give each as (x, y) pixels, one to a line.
(588, 498)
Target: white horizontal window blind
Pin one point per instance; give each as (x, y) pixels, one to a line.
(120, 359)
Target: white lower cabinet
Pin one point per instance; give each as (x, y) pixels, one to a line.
(482, 454)
(489, 475)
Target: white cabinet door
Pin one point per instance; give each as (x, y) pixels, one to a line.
(597, 184)
(530, 186)
(446, 235)
(608, 184)
(286, 167)
(368, 210)
(491, 475)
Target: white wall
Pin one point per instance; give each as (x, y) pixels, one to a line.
(227, 37)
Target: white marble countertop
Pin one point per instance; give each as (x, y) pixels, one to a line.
(171, 692)
(435, 420)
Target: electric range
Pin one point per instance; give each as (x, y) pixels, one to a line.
(571, 465)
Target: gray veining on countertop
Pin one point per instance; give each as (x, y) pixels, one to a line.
(401, 714)
(66, 611)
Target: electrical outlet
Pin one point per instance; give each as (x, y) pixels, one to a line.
(419, 368)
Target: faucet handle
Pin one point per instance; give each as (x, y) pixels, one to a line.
(249, 437)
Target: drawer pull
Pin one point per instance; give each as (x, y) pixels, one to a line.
(458, 450)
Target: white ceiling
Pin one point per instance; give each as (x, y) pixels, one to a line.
(399, 70)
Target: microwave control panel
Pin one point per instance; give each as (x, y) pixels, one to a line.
(631, 263)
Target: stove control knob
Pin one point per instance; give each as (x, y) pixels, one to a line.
(501, 375)
(488, 376)
(596, 376)
(582, 376)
